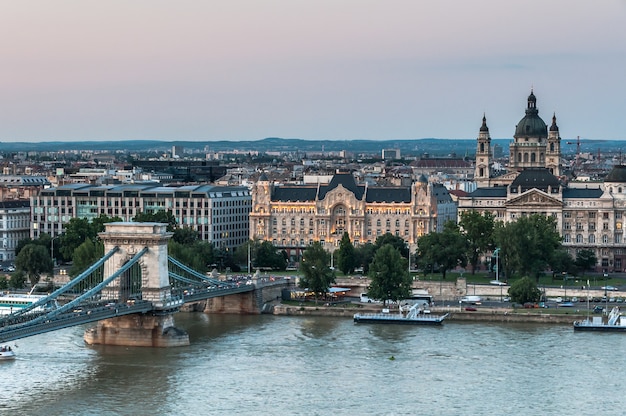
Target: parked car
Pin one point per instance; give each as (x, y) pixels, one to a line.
(597, 309)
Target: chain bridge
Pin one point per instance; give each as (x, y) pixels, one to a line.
(132, 293)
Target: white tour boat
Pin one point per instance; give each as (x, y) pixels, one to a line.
(13, 302)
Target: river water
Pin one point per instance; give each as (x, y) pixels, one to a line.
(274, 365)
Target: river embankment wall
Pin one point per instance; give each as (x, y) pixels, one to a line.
(483, 315)
(454, 289)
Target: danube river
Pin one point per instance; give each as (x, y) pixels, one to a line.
(276, 365)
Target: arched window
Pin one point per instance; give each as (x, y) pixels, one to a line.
(579, 238)
(552, 147)
(525, 157)
(592, 238)
(482, 147)
(533, 157)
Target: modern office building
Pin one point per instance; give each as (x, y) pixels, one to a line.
(218, 213)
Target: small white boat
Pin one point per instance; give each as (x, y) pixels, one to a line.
(6, 353)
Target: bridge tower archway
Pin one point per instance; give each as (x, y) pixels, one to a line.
(148, 278)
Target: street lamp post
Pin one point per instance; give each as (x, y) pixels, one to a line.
(54, 263)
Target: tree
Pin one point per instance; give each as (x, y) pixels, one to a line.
(162, 216)
(345, 255)
(562, 262)
(390, 279)
(250, 247)
(504, 235)
(199, 256)
(528, 244)
(269, 257)
(34, 260)
(17, 280)
(585, 260)
(185, 235)
(478, 229)
(76, 231)
(397, 242)
(364, 254)
(317, 275)
(85, 255)
(446, 250)
(524, 290)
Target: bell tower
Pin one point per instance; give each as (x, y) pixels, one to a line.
(483, 155)
(553, 150)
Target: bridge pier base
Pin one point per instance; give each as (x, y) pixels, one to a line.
(137, 331)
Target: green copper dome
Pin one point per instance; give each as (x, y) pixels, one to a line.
(531, 125)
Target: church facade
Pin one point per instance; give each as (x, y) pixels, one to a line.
(588, 215)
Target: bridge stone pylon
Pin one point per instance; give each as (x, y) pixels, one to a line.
(130, 238)
(151, 329)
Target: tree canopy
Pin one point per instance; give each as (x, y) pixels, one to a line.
(162, 216)
(34, 260)
(524, 290)
(445, 250)
(346, 261)
(585, 260)
(317, 275)
(478, 229)
(85, 255)
(78, 230)
(527, 245)
(397, 242)
(390, 279)
(268, 256)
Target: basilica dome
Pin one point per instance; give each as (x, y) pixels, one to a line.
(531, 126)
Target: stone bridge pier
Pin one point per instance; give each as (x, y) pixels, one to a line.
(248, 303)
(139, 330)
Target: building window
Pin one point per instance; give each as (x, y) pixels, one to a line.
(592, 239)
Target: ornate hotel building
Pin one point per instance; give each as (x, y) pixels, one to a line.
(293, 216)
(589, 215)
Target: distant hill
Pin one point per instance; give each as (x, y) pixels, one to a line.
(408, 147)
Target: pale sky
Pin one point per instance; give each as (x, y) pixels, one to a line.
(323, 69)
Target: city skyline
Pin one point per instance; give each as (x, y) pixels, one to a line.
(325, 70)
